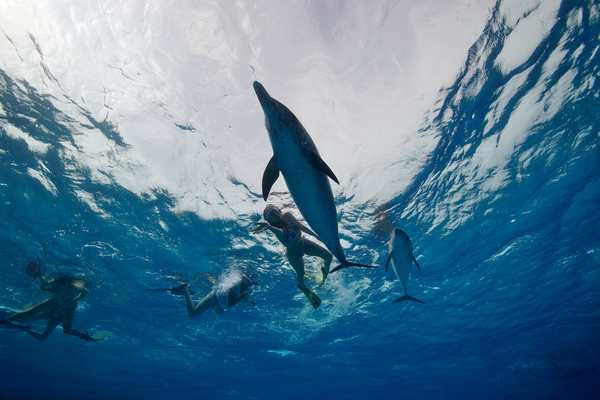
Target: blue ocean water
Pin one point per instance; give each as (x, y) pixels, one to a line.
(510, 260)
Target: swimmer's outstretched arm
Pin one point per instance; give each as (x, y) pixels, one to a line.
(278, 232)
(262, 226)
(207, 302)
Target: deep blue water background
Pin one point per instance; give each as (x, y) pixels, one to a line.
(510, 279)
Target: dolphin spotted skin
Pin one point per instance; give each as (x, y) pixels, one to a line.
(401, 257)
(296, 157)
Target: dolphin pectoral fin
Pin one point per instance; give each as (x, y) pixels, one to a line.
(387, 261)
(308, 231)
(320, 165)
(269, 177)
(416, 262)
(407, 298)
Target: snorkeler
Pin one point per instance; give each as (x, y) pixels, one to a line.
(59, 309)
(229, 290)
(289, 232)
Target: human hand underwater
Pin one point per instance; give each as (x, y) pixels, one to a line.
(260, 227)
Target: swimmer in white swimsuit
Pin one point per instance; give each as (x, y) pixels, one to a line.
(232, 288)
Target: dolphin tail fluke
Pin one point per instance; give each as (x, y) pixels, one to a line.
(347, 264)
(408, 298)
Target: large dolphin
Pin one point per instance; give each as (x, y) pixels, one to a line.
(401, 257)
(296, 157)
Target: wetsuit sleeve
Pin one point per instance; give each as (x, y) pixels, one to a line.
(278, 232)
(47, 285)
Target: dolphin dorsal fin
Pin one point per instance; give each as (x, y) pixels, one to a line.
(320, 165)
(416, 262)
(269, 177)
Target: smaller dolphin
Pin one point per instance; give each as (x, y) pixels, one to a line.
(401, 257)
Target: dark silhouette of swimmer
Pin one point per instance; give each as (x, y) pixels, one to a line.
(59, 309)
(289, 232)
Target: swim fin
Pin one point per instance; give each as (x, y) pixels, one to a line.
(101, 335)
(177, 290)
(312, 297)
(406, 298)
(347, 264)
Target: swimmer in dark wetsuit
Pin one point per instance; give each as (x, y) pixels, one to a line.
(59, 309)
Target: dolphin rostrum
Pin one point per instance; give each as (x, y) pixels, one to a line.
(296, 157)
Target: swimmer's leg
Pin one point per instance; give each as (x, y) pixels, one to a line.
(12, 325)
(68, 329)
(298, 265)
(31, 313)
(50, 326)
(313, 249)
(209, 301)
